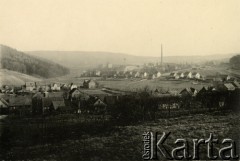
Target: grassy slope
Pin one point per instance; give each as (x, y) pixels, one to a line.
(8, 77)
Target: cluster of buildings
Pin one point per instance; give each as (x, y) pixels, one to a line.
(199, 76)
(33, 96)
(38, 98)
(122, 74)
(222, 87)
(185, 75)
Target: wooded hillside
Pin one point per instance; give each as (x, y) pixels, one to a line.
(235, 62)
(14, 60)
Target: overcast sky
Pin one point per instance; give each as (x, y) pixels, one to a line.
(138, 27)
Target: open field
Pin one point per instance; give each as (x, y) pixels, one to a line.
(105, 141)
(152, 84)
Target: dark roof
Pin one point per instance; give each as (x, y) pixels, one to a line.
(38, 95)
(223, 76)
(229, 86)
(47, 102)
(20, 101)
(57, 104)
(110, 100)
(189, 90)
(210, 77)
(55, 94)
(236, 84)
(4, 102)
(99, 102)
(194, 73)
(73, 90)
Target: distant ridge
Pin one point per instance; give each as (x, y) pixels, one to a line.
(87, 59)
(18, 61)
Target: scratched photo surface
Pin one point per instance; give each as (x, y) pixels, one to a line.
(119, 80)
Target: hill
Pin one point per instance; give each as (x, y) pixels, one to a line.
(83, 59)
(14, 60)
(8, 77)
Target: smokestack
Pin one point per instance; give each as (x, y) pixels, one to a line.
(161, 55)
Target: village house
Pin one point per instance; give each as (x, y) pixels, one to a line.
(74, 94)
(158, 75)
(65, 86)
(154, 76)
(30, 86)
(196, 75)
(89, 84)
(20, 104)
(127, 74)
(174, 75)
(188, 75)
(226, 87)
(137, 75)
(56, 87)
(188, 92)
(224, 77)
(73, 86)
(203, 91)
(145, 75)
(99, 106)
(46, 88)
(98, 73)
(180, 74)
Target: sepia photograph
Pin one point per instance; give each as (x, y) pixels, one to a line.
(119, 80)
